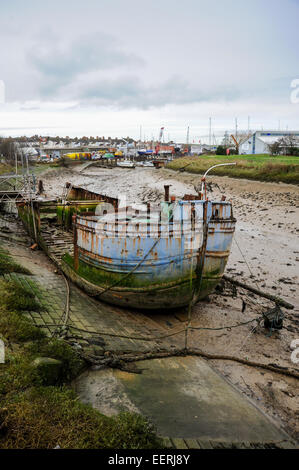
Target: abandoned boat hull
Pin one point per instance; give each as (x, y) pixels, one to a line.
(168, 265)
(149, 298)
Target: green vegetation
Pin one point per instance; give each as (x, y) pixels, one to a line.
(100, 277)
(15, 327)
(14, 300)
(105, 279)
(8, 265)
(65, 213)
(5, 168)
(71, 364)
(256, 167)
(47, 417)
(15, 297)
(37, 409)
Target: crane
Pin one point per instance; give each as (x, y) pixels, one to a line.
(127, 144)
(186, 149)
(188, 136)
(157, 149)
(236, 142)
(161, 134)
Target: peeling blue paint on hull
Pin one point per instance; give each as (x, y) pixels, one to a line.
(129, 263)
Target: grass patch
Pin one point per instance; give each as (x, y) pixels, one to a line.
(17, 328)
(16, 376)
(14, 301)
(5, 168)
(15, 297)
(8, 265)
(256, 167)
(44, 418)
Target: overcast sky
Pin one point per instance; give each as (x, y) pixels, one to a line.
(105, 67)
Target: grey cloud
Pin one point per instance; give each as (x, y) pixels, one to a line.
(131, 92)
(77, 70)
(60, 64)
(93, 68)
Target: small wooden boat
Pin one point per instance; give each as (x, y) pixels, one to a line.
(126, 164)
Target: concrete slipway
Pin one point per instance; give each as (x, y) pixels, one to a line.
(187, 401)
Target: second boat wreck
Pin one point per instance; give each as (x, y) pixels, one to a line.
(144, 256)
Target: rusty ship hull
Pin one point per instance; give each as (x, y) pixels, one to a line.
(164, 258)
(129, 262)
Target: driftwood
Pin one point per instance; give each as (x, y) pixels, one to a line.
(275, 299)
(120, 361)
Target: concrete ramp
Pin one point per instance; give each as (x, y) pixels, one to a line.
(185, 399)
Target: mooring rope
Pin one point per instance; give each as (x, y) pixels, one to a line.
(150, 338)
(120, 359)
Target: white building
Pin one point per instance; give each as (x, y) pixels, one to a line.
(258, 143)
(199, 149)
(196, 149)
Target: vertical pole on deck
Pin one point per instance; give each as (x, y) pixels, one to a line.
(148, 220)
(76, 249)
(38, 218)
(188, 325)
(166, 188)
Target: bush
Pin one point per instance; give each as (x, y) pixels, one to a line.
(221, 150)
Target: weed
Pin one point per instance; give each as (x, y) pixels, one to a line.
(15, 297)
(72, 365)
(17, 327)
(8, 265)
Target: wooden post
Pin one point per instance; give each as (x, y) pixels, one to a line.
(166, 188)
(38, 218)
(76, 249)
(275, 299)
(148, 220)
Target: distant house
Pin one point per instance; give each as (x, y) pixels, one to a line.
(196, 149)
(259, 142)
(30, 152)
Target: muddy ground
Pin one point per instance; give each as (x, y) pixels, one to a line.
(265, 254)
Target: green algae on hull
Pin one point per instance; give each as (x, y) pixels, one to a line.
(148, 297)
